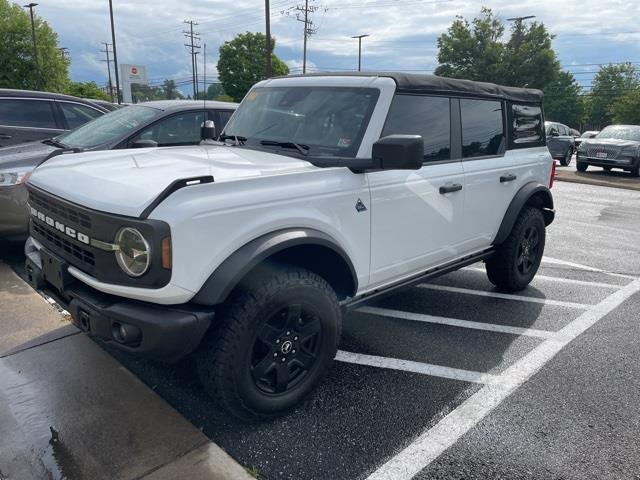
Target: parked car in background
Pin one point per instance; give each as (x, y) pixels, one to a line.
(616, 146)
(560, 142)
(105, 104)
(26, 116)
(587, 134)
(161, 123)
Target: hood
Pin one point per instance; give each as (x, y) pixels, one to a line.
(24, 156)
(613, 142)
(125, 182)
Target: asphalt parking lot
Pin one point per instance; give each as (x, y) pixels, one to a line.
(456, 380)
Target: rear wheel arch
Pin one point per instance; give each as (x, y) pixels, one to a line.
(532, 194)
(304, 247)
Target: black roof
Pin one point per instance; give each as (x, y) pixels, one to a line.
(421, 83)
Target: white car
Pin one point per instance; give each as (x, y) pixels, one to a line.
(324, 191)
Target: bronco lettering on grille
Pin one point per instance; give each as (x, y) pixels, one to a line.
(61, 227)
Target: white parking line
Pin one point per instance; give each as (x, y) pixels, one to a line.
(572, 281)
(505, 296)
(557, 261)
(491, 327)
(433, 442)
(417, 367)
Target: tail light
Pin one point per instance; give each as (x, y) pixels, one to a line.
(553, 173)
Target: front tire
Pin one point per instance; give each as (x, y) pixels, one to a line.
(517, 259)
(276, 340)
(581, 166)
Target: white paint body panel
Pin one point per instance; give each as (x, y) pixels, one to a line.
(408, 225)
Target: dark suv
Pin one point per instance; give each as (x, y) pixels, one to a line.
(26, 116)
(617, 146)
(560, 142)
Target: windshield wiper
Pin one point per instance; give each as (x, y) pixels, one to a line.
(54, 142)
(303, 149)
(239, 139)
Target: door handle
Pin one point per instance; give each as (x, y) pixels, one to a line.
(4, 136)
(453, 187)
(510, 177)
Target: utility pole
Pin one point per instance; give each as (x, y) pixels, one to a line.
(35, 47)
(107, 52)
(303, 16)
(360, 37)
(267, 16)
(115, 54)
(192, 38)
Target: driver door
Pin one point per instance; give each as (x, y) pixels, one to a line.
(417, 216)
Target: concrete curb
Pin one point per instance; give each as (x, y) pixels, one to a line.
(595, 178)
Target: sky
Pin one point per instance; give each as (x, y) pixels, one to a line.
(403, 33)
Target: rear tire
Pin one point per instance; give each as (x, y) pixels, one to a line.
(518, 258)
(635, 172)
(275, 341)
(581, 166)
(566, 160)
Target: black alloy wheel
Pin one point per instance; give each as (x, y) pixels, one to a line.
(286, 349)
(528, 250)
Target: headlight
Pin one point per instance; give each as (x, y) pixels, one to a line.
(8, 179)
(133, 254)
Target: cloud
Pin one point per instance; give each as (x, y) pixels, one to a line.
(402, 33)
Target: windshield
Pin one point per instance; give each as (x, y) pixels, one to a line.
(329, 120)
(110, 127)
(621, 133)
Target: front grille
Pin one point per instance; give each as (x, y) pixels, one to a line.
(52, 237)
(63, 212)
(612, 151)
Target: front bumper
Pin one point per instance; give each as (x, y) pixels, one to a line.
(157, 331)
(625, 163)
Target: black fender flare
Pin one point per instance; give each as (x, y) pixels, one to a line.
(532, 193)
(231, 271)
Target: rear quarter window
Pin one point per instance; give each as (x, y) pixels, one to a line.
(17, 112)
(527, 127)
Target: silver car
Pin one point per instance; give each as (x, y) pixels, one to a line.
(149, 124)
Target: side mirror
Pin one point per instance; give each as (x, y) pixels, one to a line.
(144, 143)
(399, 152)
(208, 130)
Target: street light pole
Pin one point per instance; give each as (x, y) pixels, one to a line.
(35, 48)
(360, 37)
(115, 55)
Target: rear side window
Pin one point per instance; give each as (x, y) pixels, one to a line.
(526, 124)
(425, 116)
(482, 128)
(27, 113)
(77, 114)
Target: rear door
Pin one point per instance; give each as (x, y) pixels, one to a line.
(417, 216)
(26, 120)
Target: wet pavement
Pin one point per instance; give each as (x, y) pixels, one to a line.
(68, 410)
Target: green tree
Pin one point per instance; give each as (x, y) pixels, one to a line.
(477, 50)
(86, 90)
(146, 93)
(563, 100)
(170, 91)
(18, 65)
(242, 63)
(626, 109)
(610, 85)
(213, 91)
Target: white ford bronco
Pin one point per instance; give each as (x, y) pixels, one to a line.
(322, 192)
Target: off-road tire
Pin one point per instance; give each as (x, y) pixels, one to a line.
(224, 360)
(581, 166)
(503, 268)
(566, 160)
